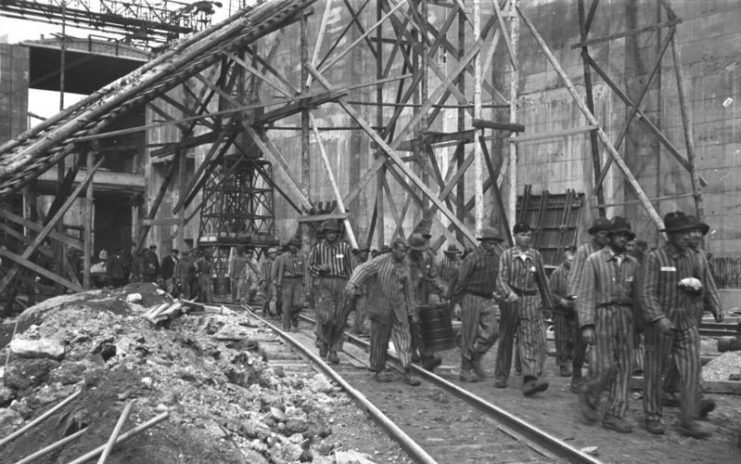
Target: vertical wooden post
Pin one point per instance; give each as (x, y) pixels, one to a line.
(305, 136)
(514, 30)
(381, 176)
(594, 143)
(182, 174)
(88, 217)
(478, 183)
(460, 154)
(689, 138)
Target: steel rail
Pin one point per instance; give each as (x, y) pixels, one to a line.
(415, 451)
(529, 432)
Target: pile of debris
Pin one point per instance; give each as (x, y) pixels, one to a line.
(218, 402)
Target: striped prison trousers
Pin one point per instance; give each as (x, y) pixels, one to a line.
(330, 311)
(292, 295)
(525, 318)
(380, 333)
(480, 329)
(683, 346)
(565, 334)
(613, 356)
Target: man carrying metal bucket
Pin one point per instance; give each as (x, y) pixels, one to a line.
(426, 288)
(472, 296)
(393, 307)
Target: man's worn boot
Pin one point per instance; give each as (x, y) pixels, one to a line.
(478, 369)
(466, 374)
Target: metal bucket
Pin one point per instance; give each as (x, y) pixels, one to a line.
(221, 285)
(437, 328)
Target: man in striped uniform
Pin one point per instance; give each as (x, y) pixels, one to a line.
(598, 231)
(290, 280)
(361, 299)
(710, 302)
(564, 316)
(472, 294)
(330, 263)
(449, 265)
(391, 311)
(605, 309)
(265, 283)
(674, 280)
(426, 290)
(522, 312)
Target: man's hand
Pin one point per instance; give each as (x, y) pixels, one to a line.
(457, 311)
(513, 298)
(665, 325)
(718, 316)
(587, 333)
(350, 290)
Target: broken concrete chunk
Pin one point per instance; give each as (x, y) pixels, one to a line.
(351, 457)
(41, 348)
(133, 298)
(321, 384)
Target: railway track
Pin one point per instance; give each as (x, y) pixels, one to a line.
(435, 422)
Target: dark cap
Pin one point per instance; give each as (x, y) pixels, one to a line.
(453, 249)
(620, 224)
(677, 221)
(417, 242)
(521, 227)
(600, 225)
(490, 233)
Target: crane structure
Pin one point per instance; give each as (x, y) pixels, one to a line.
(135, 21)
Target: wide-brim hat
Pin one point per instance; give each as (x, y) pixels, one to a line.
(600, 225)
(330, 226)
(677, 221)
(417, 242)
(294, 241)
(620, 224)
(704, 228)
(490, 233)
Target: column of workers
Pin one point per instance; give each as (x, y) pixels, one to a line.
(636, 310)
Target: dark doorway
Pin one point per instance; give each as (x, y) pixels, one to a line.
(112, 222)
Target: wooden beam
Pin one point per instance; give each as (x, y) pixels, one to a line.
(686, 112)
(643, 118)
(66, 239)
(619, 35)
(271, 152)
(330, 176)
(634, 109)
(496, 125)
(321, 217)
(362, 36)
(48, 227)
(20, 260)
(394, 156)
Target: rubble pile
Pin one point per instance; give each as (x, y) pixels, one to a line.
(226, 403)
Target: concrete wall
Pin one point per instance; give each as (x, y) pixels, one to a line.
(708, 42)
(13, 90)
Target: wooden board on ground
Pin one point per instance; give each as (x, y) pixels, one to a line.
(728, 387)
